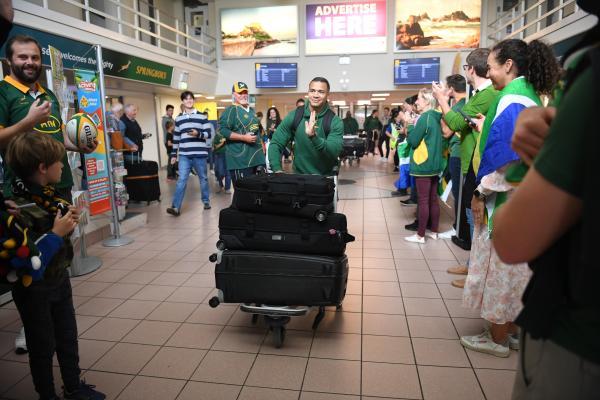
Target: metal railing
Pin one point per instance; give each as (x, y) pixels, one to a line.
(141, 21)
(529, 17)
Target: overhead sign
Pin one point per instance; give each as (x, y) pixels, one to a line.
(346, 28)
(77, 54)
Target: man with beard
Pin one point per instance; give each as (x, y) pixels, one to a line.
(25, 105)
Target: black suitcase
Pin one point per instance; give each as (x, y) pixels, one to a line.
(240, 230)
(304, 196)
(281, 278)
(142, 181)
(354, 147)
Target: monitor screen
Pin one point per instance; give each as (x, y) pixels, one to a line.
(276, 75)
(416, 71)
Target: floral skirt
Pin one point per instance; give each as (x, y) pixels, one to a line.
(492, 285)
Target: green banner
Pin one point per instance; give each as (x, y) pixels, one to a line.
(131, 67)
(77, 54)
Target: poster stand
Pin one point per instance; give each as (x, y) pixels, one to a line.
(84, 264)
(117, 240)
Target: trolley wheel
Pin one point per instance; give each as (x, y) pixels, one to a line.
(214, 302)
(278, 335)
(358, 161)
(221, 245)
(338, 307)
(254, 319)
(212, 257)
(350, 162)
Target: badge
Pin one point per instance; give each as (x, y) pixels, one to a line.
(246, 116)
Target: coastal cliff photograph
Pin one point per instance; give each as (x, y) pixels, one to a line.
(431, 24)
(259, 32)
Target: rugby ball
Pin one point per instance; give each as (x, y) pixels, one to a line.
(81, 130)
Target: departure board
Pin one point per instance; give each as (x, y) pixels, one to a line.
(416, 71)
(276, 75)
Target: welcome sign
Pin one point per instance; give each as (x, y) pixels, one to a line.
(346, 28)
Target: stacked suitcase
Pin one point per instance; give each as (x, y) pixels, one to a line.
(354, 148)
(282, 244)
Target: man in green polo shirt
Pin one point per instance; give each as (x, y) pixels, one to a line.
(25, 105)
(483, 95)
(316, 151)
(238, 124)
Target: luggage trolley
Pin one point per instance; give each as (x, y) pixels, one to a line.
(276, 317)
(354, 149)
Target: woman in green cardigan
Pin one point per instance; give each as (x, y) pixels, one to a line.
(425, 140)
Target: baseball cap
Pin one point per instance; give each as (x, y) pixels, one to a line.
(239, 87)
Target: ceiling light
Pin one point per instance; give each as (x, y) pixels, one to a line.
(380, 94)
(364, 102)
(338, 102)
(210, 97)
(197, 95)
(225, 100)
(397, 104)
(378, 99)
(220, 108)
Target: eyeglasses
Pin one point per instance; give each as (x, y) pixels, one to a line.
(465, 67)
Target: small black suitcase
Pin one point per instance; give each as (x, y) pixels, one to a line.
(281, 278)
(142, 181)
(240, 230)
(354, 147)
(304, 196)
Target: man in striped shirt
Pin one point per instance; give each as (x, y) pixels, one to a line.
(192, 139)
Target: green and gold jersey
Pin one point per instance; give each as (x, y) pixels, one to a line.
(15, 101)
(240, 155)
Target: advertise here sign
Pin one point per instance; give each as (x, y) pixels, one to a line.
(346, 28)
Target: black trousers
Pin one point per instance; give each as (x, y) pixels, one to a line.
(384, 139)
(47, 313)
(170, 167)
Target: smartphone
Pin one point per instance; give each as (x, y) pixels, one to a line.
(469, 120)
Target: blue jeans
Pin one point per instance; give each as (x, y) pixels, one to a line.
(185, 165)
(221, 170)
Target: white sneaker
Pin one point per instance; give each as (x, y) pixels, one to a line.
(432, 235)
(484, 343)
(228, 191)
(415, 239)
(513, 342)
(21, 342)
(448, 234)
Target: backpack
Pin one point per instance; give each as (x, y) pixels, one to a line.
(299, 114)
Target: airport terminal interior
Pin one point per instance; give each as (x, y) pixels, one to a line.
(152, 320)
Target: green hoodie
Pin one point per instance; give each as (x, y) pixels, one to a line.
(316, 155)
(350, 126)
(425, 138)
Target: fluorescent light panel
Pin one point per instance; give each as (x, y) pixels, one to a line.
(380, 95)
(378, 99)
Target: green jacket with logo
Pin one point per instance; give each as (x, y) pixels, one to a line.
(425, 138)
(312, 155)
(240, 155)
(15, 102)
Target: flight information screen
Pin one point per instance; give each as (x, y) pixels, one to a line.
(276, 75)
(416, 71)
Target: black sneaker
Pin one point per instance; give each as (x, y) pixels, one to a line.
(408, 202)
(395, 169)
(207, 206)
(173, 211)
(84, 392)
(399, 193)
(413, 226)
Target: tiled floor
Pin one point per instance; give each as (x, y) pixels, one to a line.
(147, 332)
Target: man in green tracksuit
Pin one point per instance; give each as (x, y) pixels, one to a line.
(316, 151)
(239, 125)
(371, 126)
(479, 103)
(350, 124)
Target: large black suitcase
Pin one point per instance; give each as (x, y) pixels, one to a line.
(306, 196)
(142, 181)
(281, 278)
(240, 230)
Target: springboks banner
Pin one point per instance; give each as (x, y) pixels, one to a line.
(346, 28)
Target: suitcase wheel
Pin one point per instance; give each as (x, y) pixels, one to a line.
(254, 319)
(212, 257)
(278, 336)
(321, 215)
(214, 302)
(221, 245)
